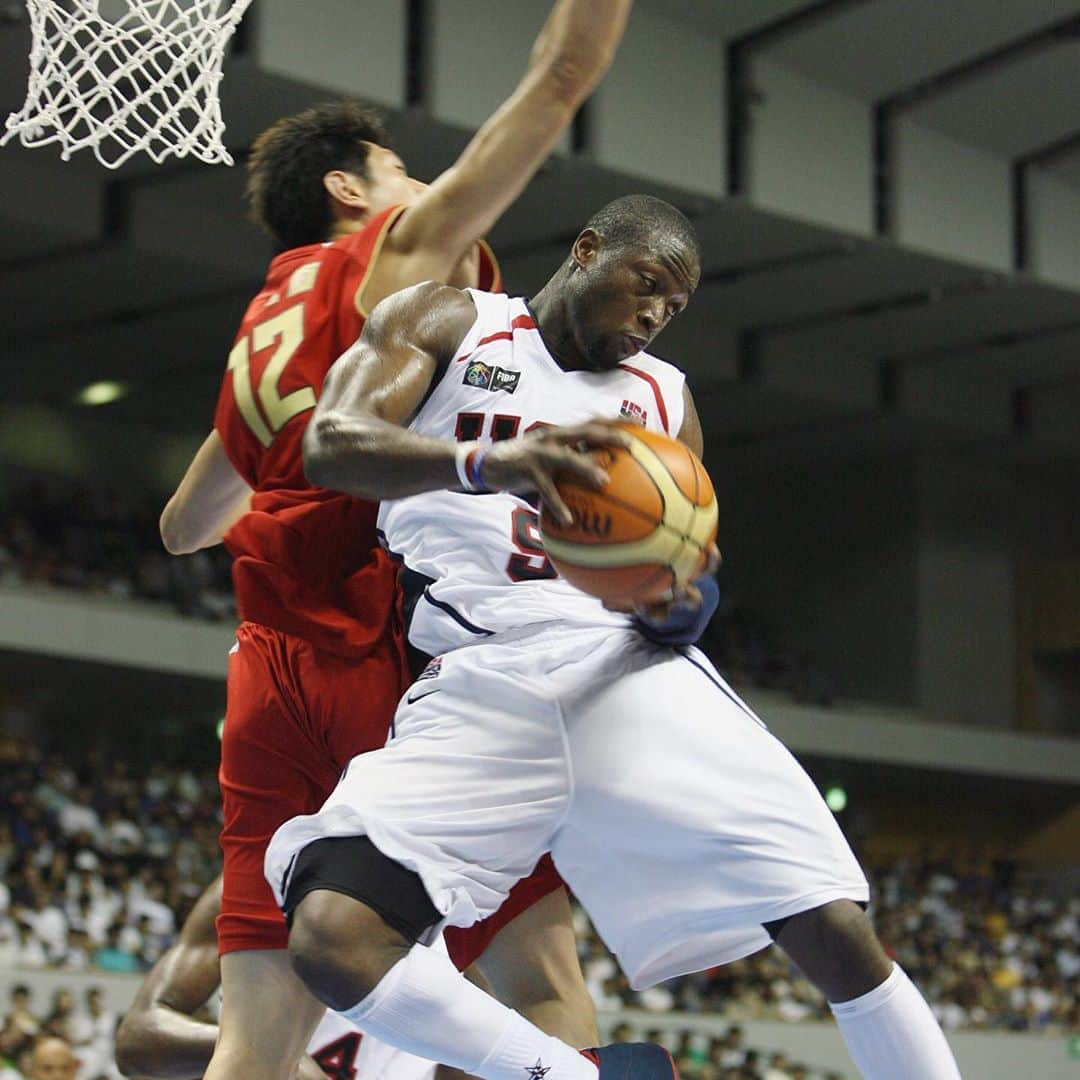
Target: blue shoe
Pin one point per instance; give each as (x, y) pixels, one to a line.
(633, 1061)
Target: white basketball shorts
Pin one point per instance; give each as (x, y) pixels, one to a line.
(677, 819)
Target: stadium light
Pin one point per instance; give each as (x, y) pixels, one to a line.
(101, 393)
(836, 798)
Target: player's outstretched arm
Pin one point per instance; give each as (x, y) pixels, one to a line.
(355, 441)
(573, 51)
(209, 499)
(158, 1036)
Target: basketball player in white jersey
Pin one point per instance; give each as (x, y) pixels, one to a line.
(160, 1037)
(546, 722)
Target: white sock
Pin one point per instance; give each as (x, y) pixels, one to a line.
(424, 1005)
(892, 1035)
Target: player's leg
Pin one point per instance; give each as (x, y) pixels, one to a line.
(530, 961)
(441, 823)
(701, 794)
(270, 769)
(267, 1017)
(406, 994)
(887, 1025)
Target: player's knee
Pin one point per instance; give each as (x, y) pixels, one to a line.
(836, 946)
(353, 913)
(341, 948)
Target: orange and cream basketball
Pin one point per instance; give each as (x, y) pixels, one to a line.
(645, 532)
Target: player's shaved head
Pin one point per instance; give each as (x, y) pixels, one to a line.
(645, 222)
(289, 160)
(52, 1059)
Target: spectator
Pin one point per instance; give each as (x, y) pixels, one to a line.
(777, 1068)
(20, 1024)
(112, 956)
(52, 1059)
(29, 950)
(93, 1034)
(78, 815)
(60, 1017)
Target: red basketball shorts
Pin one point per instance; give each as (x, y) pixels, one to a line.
(295, 715)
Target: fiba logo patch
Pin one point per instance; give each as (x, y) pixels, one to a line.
(478, 374)
(485, 377)
(631, 410)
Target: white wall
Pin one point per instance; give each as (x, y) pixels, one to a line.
(1053, 229)
(355, 47)
(951, 198)
(660, 112)
(810, 150)
(59, 623)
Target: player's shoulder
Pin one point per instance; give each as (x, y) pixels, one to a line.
(430, 299)
(645, 361)
(364, 243)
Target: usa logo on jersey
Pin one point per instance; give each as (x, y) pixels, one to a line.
(631, 410)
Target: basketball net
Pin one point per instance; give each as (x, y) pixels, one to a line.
(145, 80)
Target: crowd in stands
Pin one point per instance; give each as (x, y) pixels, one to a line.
(988, 953)
(99, 865)
(100, 860)
(102, 542)
(70, 536)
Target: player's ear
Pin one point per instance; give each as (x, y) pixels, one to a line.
(347, 190)
(586, 248)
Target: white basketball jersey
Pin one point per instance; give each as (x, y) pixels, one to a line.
(477, 561)
(344, 1053)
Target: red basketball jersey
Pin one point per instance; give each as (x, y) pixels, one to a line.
(306, 560)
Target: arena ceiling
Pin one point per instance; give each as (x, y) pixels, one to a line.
(801, 337)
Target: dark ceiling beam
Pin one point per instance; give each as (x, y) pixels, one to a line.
(751, 338)
(741, 95)
(887, 110)
(418, 54)
(1005, 340)
(730, 275)
(120, 317)
(905, 301)
(1040, 157)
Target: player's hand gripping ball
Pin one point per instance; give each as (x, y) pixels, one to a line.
(646, 533)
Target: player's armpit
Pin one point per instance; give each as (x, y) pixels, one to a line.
(355, 441)
(690, 433)
(210, 498)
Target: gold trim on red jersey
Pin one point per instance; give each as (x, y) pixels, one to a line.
(493, 269)
(387, 225)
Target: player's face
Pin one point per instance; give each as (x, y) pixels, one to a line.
(627, 296)
(388, 182)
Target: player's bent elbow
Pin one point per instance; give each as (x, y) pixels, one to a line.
(172, 535)
(133, 1055)
(317, 455)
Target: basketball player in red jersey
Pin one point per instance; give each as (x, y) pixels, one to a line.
(318, 665)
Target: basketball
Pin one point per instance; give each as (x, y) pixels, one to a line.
(645, 532)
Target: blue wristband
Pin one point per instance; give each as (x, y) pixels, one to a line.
(685, 624)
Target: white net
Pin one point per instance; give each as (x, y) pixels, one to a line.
(127, 76)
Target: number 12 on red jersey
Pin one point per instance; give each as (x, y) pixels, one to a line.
(285, 332)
